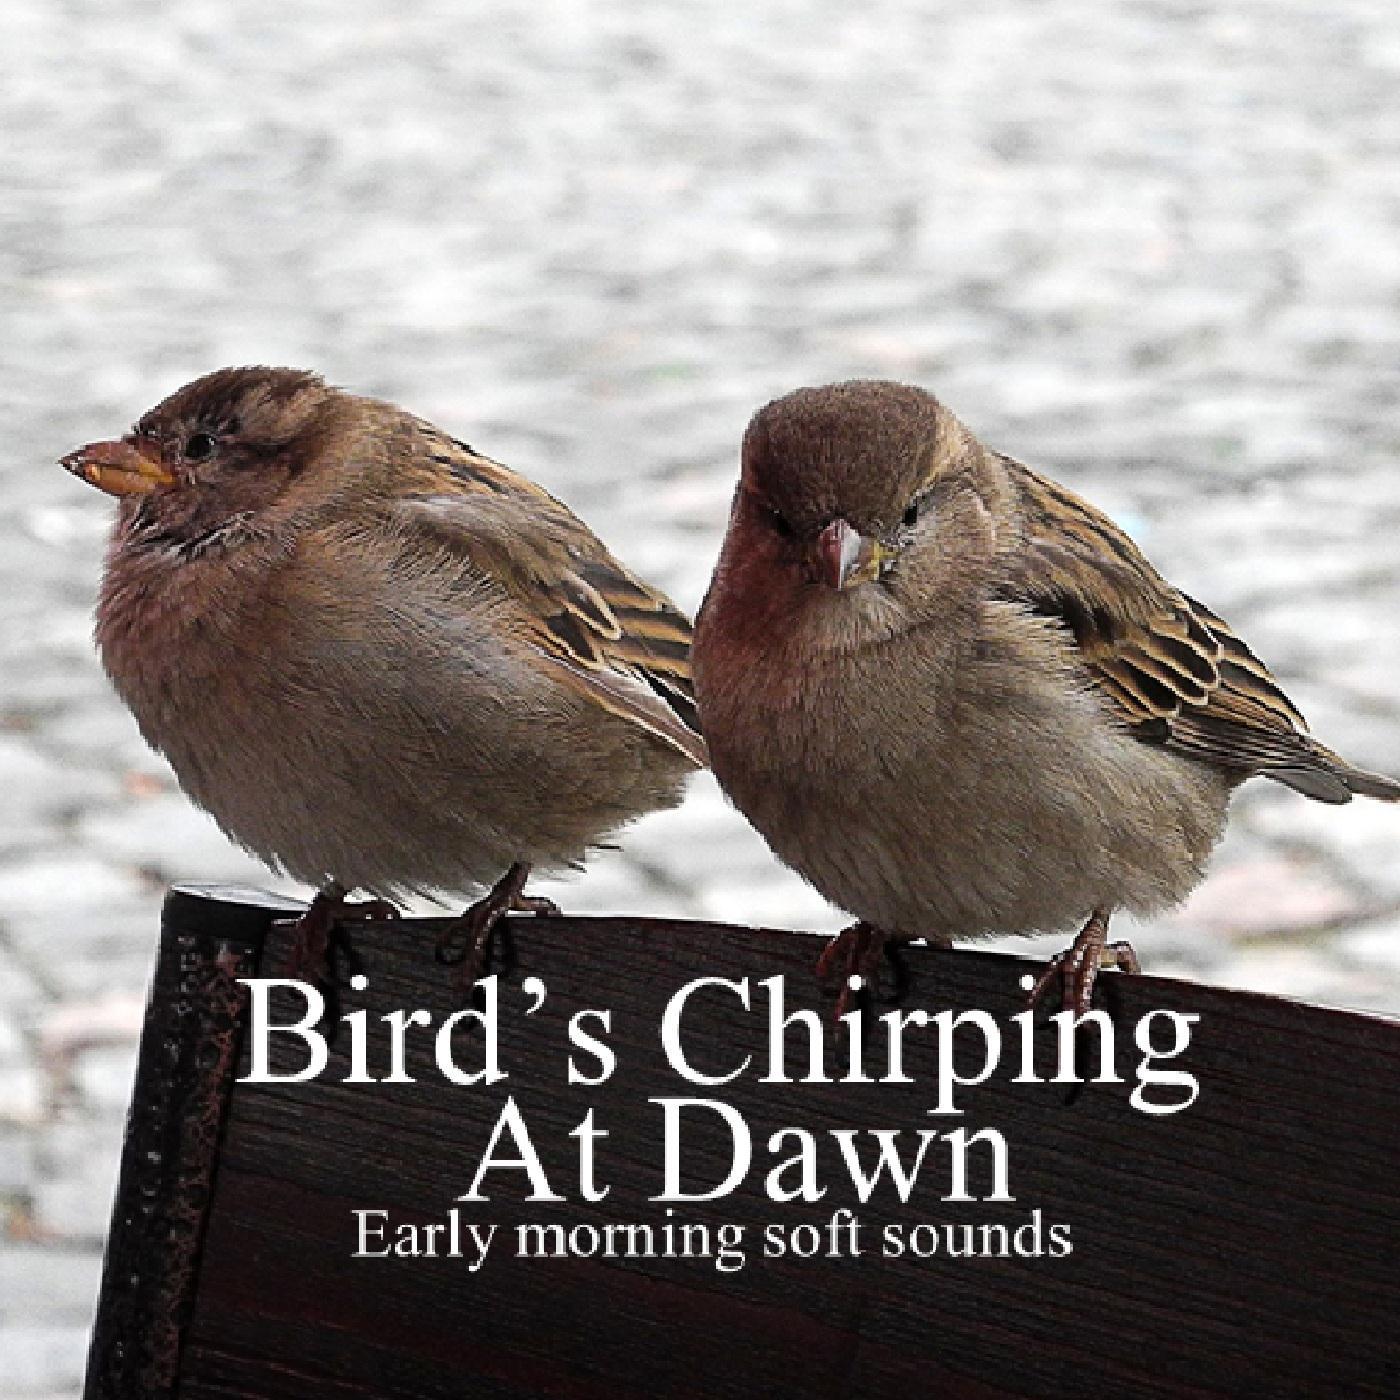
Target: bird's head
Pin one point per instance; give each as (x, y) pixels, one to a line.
(842, 486)
(225, 448)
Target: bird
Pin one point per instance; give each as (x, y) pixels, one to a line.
(959, 701)
(380, 659)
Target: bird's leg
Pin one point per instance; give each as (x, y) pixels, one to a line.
(854, 952)
(1079, 965)
(311, 933)
(466, 942)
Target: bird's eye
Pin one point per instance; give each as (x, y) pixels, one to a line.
(911, 516)
(780, 523)
(198, 446)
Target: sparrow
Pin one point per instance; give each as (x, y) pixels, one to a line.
(381, 660)
(959, 701)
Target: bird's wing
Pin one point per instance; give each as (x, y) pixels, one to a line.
(619, 640)
(1172, 671)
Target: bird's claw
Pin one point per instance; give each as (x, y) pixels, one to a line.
(467, 942)
(312, 930)
(1079, 965)
(854, 952)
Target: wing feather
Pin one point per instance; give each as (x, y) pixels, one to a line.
(622, 642)
(1171, 670)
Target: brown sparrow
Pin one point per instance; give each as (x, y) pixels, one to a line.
(378, 658)
(958, 699)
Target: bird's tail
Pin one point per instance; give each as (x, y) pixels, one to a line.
(1370, 784)
(1330, 778)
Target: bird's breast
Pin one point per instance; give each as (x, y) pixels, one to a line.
(959, 790)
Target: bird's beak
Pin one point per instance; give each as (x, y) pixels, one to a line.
(845, 557)
(119, 468)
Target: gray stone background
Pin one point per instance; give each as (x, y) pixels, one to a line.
(1152, 247)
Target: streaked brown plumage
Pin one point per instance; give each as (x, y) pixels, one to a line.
(958, 699)
(378, 658)
(1172, 670)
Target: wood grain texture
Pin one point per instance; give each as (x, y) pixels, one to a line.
(1245, 1246)
(189, 1048)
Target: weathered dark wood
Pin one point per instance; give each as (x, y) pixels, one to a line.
(188, 1051)
(1246, 1246)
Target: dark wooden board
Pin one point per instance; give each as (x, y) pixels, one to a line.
(1245, 1246)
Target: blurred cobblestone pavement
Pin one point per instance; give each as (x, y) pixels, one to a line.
(1153, 248)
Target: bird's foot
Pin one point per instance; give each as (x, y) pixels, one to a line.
(856, 952)
(1079, 965)
(308, 959)
(468, 941)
